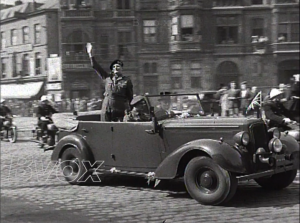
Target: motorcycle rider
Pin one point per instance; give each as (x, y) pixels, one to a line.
(44, 113)
(5, 114)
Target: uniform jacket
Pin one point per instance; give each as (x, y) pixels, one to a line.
(275, 112)
(45, 110)
(118, 90)
(245, 99)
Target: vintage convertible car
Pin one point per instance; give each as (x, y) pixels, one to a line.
(211, 154)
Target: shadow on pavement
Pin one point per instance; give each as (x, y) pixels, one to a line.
(247, 195)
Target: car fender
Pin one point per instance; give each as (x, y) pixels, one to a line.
(290, 143)
(76, 141)
(222, 153)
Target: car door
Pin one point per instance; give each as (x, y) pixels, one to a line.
(135, 149)
(99, 138)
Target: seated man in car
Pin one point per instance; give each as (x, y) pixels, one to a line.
(139, 112)
(5, 114)
(164, 110)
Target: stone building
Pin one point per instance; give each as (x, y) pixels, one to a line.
(29, 35)
(180, 45)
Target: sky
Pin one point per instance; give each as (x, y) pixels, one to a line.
(12, 2)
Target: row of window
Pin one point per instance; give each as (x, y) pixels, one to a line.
(25, 37)
(29, 66)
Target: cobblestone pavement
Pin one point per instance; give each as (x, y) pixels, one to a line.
(28, 177)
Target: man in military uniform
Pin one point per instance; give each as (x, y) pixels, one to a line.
(164, 112)
(139, 112)
(274, 110)
(118, 89)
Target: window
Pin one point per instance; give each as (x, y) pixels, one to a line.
(104, 45)
(187, 27)
(288, 30)
(149, 31)
(25, 65)
(257, 2)
(176, 82)
(174, 28)
(14, 37)
(124, 40)
(195, 82)
(38, 61)
(151, 84)
(37, 33)
(257, 27)
(123, 4)
(75, 47)
(150, 68)
(25, 34)
(3, 40)
(3, 67)
(227, 30)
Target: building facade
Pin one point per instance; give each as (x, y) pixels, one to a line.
(29, 35)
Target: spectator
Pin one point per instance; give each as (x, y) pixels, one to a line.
(233, 97)
(222, 95)
(245, 97)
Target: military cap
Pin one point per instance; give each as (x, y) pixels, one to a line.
(136, 100)
(116, 62)
(243, 82)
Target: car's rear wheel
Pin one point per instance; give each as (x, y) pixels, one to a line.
(72, 166)
(277, 181)
(208, 183)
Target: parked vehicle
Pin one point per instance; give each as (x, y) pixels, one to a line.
(9, 130)
(210, 154)
(47, 136)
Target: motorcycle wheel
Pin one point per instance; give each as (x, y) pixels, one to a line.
(12, 134)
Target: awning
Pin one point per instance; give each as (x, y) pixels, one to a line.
(21, 91)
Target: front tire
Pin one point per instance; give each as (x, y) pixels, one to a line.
(12, 134)
(72, 167)
(208, 183)
(277, 181)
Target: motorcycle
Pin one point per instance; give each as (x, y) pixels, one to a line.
(8, 130)
(47, 135)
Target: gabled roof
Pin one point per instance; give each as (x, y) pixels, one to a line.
(28, 7)
(50, 4)
(10, 12)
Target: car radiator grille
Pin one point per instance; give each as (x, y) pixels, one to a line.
(259, 136)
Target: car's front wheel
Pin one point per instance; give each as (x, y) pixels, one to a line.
(208, 183)
(72, 166)
(277, 181)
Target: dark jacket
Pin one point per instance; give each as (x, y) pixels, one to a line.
(4, 111)
(275, 112)
(45, 110)
(118, 90)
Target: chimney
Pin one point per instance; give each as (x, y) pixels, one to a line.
(19, 2)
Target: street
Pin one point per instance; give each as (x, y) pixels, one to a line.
(33, 190)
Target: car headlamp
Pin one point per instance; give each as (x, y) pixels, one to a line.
(276, 133)
(275, 145)
(242, 138)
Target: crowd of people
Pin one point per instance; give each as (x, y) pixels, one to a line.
(29, 108)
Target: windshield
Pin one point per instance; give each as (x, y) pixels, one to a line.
(168, 106)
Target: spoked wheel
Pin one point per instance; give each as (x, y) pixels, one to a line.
(12, 134)
(72, 167)
(208, 183)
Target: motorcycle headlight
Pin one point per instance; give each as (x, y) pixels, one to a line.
(276, 133)
(242, 138)
(275, 145)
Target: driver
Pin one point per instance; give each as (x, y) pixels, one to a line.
(139, 112)
(274, 109)
(5, 113)
(44, 112)
(164, 110)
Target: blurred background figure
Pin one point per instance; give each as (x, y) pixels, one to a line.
(245, 97)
